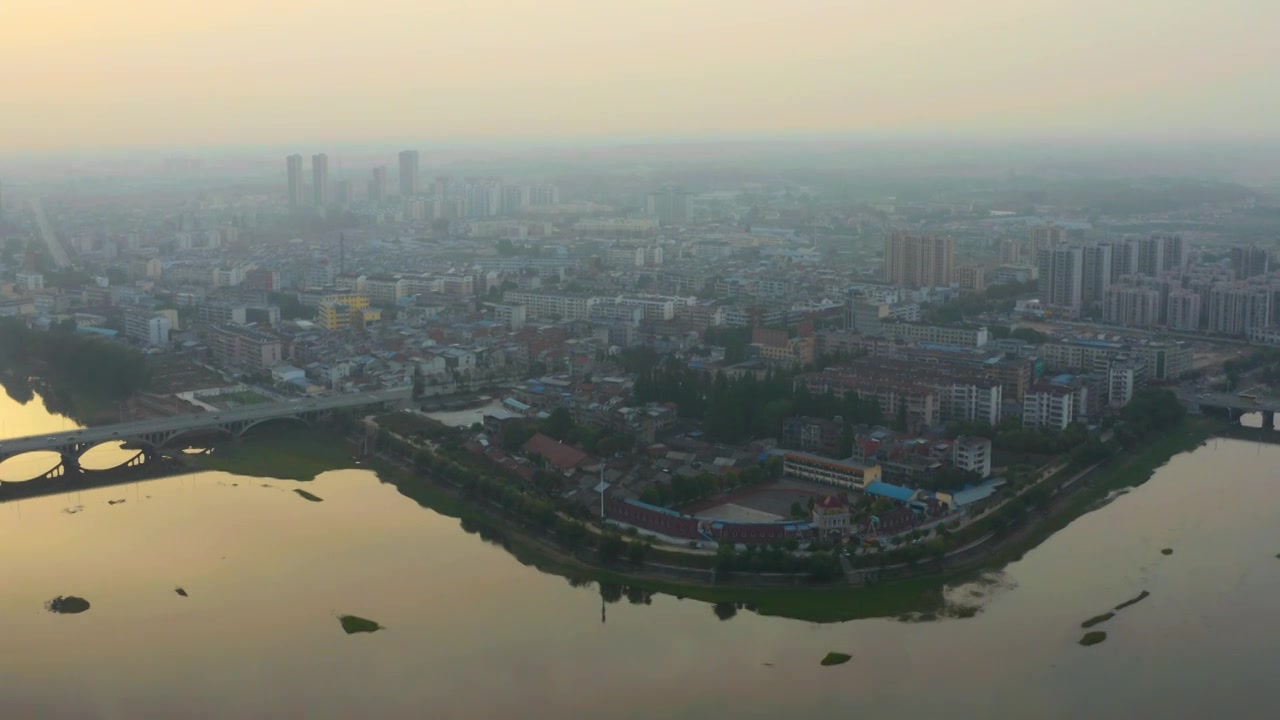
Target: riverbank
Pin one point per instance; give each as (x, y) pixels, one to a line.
(301, 456)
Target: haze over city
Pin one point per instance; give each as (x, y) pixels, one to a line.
(85, 74)
(590, 359)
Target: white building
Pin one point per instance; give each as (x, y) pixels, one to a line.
(29, 281)
(512, 316)
(548, 306)
(1051, 406)
(146, 327)
(972, 453)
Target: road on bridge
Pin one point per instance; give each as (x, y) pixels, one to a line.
(197, 421)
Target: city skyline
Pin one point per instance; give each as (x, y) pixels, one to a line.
(1000, 68)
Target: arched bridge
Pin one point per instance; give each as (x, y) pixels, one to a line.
(151, 435)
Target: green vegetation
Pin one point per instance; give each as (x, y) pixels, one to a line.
(356, 624)
(67, 605)
(835, 658)
(1097, 620)
(1025, 334)
(997, 298)
(1167, 551)
(284, 451)
(1093, 638)
(1133, 601)
(308, 496)
(733, 411)
(79, 374)
(239, 398)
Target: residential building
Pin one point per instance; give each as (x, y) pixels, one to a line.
(297, 185)
(973, 453)
(1235, 309)
(919, 261)
(1061, 276)
(242, 348)
(213, 313)
(408, 173)
(1125, 375)
(513, 317)
(378, 185)
(1131, 306)
(1049, 405)
(147, 327)
(384, 290)
(972, 278)
(814, 435)
(320, 179)
(1096, 266)
(1251, 261)
(29, 281)
(961, 335)
(1184, 310)
(671, 205)
(548, 306)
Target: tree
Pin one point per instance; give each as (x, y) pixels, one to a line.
(559, 424)
(636, 552)
(725, 610)
(823, 567)
(796, 510)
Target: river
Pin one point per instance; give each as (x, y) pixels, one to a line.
(472, 633)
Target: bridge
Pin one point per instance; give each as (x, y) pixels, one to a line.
(1234, 405)
(150, 436)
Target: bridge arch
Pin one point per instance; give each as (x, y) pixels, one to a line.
(264, 421)
(30, 465)
(172, 440)
(111, 454)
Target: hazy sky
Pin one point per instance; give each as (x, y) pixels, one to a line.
(117, 73)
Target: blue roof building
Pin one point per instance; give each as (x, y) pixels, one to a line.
(893, 492)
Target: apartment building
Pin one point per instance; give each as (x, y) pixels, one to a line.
(242, 348)
(551, 306)
(960, 335)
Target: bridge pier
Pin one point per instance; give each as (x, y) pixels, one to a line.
(70, 462)
(1269, 419)
(1234, 415)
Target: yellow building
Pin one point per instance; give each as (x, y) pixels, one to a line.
(366, 318)
(334, 316)
(355, 301)
(840, 473)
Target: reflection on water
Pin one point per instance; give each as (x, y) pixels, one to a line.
(472, 633)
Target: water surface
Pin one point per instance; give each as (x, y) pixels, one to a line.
(472, 633)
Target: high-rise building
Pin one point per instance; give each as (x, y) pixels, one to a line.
(972, 277)
(320, 179)
(297, 186)
(1097, 272)
(1249, 262)
(1175, 252)
(671, 205)
(1124, 258)
(1062, 279)
(1045, 237)
(484, 197)
(378, 185)
(1160, 253)
(514, 198)
(1237, 309)
(544, 194)
(1131, 306)
(919, 261)
(408, 173)
(1184, 310)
